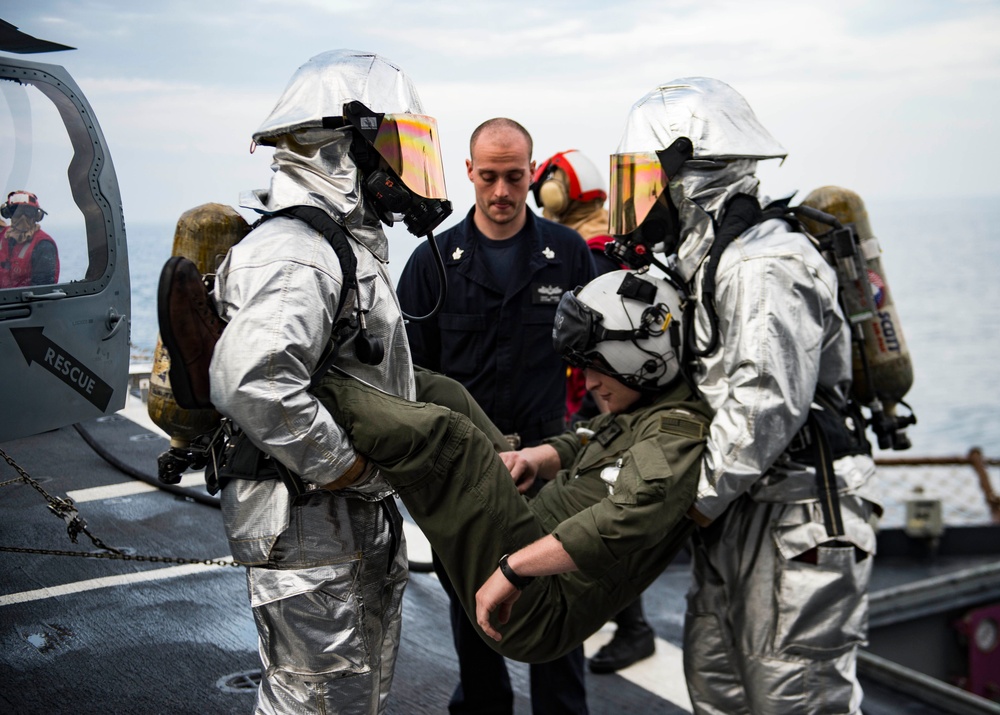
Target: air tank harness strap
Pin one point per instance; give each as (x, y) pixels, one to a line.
(742, 212)
(826, 478)
(343, 324)
(241, 459)
(824, 438)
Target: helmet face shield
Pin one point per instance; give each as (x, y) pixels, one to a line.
(410, 146)
(573, 333)
(637, 180)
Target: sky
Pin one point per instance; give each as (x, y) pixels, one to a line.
(891, 98)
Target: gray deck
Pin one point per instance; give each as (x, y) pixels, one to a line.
(84, 635)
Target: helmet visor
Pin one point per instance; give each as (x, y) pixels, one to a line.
(409, 144)
(573, 330)
(637, 180)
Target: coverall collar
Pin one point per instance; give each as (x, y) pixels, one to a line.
(461, 252)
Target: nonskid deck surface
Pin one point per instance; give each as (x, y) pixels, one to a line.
(88, 635)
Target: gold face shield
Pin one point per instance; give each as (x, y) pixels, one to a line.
(410, 146)
(410, 185)
(637, 180)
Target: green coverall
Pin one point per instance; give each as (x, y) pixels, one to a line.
(448, 474)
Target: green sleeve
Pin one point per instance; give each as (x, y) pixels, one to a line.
(567, 446)
(657, 482)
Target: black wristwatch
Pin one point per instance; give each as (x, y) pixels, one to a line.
(519, 582)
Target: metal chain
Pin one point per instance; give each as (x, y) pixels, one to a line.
(118, 556)
(65, 509)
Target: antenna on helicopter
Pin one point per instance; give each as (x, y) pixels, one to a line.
(13, 40)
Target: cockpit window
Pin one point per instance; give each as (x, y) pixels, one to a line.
(53, 226)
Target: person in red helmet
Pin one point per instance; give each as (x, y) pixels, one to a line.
(28, 255)
(569, 189)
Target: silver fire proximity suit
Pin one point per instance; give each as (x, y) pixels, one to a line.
(326, 570)
(777, 608)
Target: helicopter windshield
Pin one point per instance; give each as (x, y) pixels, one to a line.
(55, 229)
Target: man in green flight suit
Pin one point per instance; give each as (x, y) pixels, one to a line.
(613, 515)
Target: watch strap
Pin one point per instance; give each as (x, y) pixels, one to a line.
(519, 582)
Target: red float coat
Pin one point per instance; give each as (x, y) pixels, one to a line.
(15, 259)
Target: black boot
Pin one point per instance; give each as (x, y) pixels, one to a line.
(633, 640)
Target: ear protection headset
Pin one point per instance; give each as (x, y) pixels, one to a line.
(580, 180)
(553, 195)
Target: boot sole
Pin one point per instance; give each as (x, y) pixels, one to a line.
(176, 270)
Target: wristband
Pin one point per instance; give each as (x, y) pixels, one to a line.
(519, 582)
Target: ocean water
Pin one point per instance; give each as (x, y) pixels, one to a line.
(941, 261)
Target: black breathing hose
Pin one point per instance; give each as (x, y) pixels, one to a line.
(442, 283)
(193, 494)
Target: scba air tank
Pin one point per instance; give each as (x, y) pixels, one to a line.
(871, 307)
(204, 235)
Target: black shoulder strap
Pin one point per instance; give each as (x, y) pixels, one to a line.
(344, 323)
(742, 212)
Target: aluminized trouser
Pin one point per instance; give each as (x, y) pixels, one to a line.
(776, 611)
(328, 607)
(448, 475)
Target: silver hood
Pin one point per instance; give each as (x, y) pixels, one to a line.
(727, 138)
(313, 165)
(700, 193)
(322, 86)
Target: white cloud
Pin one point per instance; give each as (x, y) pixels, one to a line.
(881, 96)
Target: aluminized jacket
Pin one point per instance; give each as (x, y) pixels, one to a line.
(777, 608)
(327, 569)
(278, 290)
(782, 334)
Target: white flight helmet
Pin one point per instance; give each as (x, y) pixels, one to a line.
(624, 324)
(564, 177)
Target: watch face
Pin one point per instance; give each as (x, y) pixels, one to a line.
(985, 635)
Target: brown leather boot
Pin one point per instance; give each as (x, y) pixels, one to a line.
(189, 330)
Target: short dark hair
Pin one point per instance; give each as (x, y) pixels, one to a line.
(501, 123)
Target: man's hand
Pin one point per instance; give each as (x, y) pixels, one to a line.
(531, 463)
(522, 469)
(544, 557)
(497, 594)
